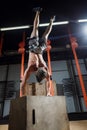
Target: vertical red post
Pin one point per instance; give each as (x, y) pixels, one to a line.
(22, 57)
(22, 51)
(49, 67)
(22, 65)
(74, 45)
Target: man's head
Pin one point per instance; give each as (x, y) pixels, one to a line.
(41, 73)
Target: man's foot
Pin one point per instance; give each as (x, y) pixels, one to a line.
(37, 9)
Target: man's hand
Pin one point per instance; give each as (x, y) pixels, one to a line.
(53, 18)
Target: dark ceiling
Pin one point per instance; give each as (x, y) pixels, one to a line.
(16, 13)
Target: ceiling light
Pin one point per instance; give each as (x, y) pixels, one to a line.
(82, 20)
(28, 26)
(14, 28)
(55, 23)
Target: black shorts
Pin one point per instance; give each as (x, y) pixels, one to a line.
(37, 45)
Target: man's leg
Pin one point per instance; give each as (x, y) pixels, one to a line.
(35, 25)
(48, 29)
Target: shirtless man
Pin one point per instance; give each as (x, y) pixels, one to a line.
(36, 62)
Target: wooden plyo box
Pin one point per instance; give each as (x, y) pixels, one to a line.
(39, 89)
(38, 113)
